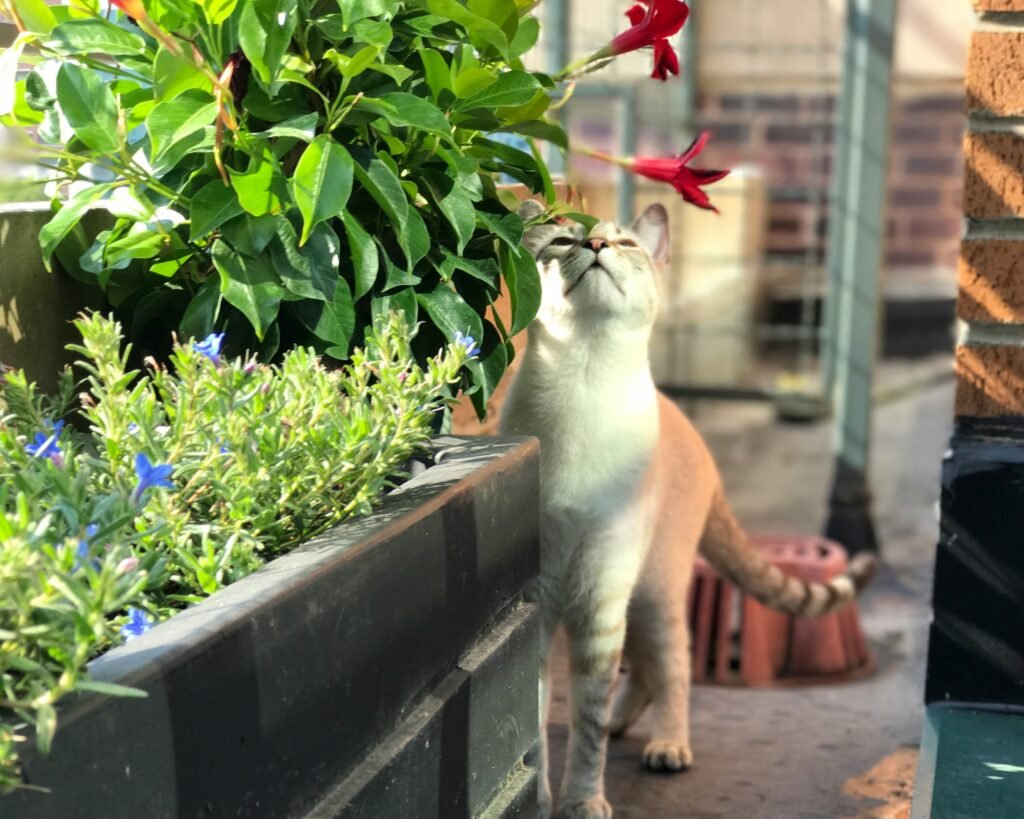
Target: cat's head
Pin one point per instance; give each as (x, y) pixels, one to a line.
(606, 277)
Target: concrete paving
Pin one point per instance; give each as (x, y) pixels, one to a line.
(816, 752)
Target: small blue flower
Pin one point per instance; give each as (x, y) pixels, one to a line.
(209, 346)
(138, 624)
(150, 475)
(44, 444)
(82, 550)
(472, 349)
(133, 428)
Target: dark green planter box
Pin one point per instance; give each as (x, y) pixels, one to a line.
(385, 669)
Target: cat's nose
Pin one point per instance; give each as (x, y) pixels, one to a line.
(597, 244)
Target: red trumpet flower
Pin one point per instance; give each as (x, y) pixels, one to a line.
(674, 170)
(653, 22)
(687, 181)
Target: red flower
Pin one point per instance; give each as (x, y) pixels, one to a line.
(665, 61)
(688, 181)
(652, 26)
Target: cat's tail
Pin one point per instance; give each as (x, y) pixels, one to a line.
(728, 549)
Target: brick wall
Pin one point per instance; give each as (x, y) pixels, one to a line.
(790, 137)
(975, 652)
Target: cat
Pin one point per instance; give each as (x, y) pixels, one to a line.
(629, 493)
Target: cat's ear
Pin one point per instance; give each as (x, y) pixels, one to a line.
(537, 236)
(651, 228)
(530, 209)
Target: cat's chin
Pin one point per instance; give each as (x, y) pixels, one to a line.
(596, 269)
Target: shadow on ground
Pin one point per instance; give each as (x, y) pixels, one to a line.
(816, 752)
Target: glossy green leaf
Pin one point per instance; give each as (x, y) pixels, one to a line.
(250, 284)
(525, 37)
(265, 29)
(353, 10)
(384, 186)
(35, 15)
(362, 251)
(89, 107)
(511, 88)
(322, 182)
(312, 271)
(417, 112)
(200, 316)
(471, 81)
(487, 368)
(436, 72)
(333, 321)
(250, 234)
(483, 33)
(508, 228)
(172, 75)
(302, 127)
(94, 35)
(524, 287)
(212, 205)
(260, 186)
(450, 313)
(65, 219)
(172, 122)
(217, 11)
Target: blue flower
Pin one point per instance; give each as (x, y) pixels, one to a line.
(468, 342)
(138, 624)
(82, 550)
(133, 428)
(150, 475)
(209, 346)
(44, 444)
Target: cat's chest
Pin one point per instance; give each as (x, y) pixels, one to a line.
(596, 445)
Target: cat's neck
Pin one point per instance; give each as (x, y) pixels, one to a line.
(571, 351)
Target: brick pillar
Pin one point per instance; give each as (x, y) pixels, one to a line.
(976, 651)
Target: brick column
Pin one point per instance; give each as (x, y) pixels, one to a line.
(976, 651)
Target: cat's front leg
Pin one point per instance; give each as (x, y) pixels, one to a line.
(595, 648)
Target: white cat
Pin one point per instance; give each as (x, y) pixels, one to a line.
(629, 492)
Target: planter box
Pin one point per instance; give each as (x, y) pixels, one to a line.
(385, 669)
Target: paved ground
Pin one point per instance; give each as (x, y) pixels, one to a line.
(824, 752)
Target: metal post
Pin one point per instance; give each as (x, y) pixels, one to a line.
(688, 76)
(855, 261)
(626, 193)
(556, 48)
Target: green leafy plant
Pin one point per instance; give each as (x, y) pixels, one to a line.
(191, 476)
(286, 170)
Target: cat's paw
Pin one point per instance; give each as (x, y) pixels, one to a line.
(667, 755)
(596, 807)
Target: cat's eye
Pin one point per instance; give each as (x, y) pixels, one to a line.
(627, 243)
(563, 241)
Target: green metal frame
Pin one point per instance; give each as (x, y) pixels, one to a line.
(854, 262)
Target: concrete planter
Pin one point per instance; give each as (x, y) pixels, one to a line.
(385, 669)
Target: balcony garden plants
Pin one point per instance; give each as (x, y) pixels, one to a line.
(290, 187)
